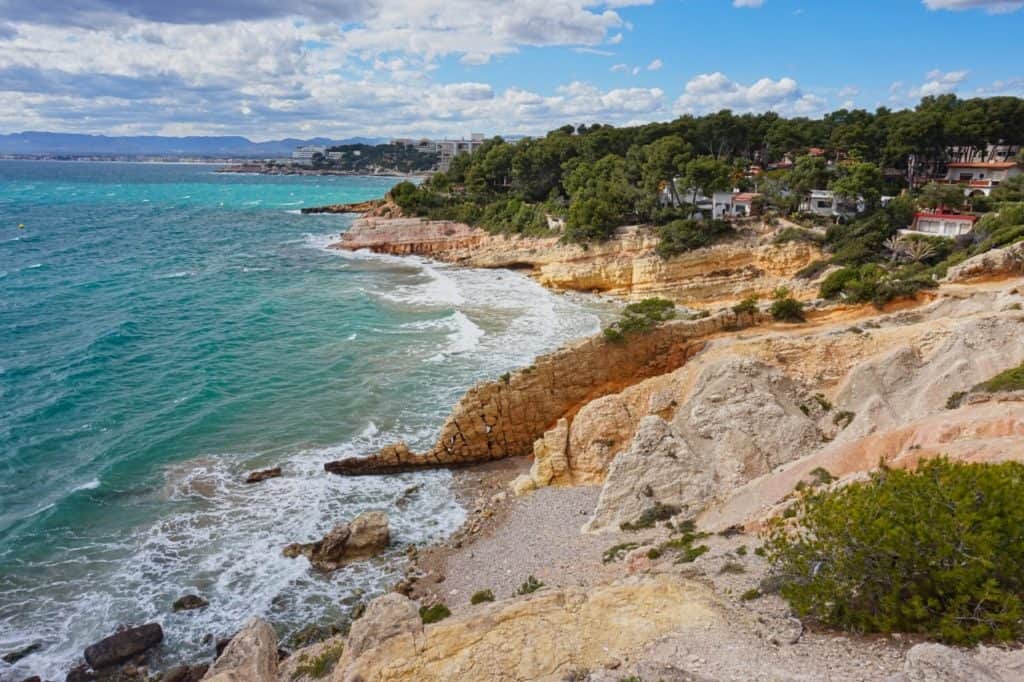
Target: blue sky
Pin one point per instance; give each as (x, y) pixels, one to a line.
(273, 68)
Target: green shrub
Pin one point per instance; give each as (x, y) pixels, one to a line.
(937, 552)
(741, 550)
(812, 270)
(529, 586)
(641, 317)
(680, 236)
(798, 234)
(822, 476)
(650, 516)
(1010, 380)
(872, 283)
(653, 553)
(320, 665)
(733, 567)
(616, 552)
(955, 400)
(785, 308)
(751, 594)
(747, 305)
(434, 613)
(481, 597)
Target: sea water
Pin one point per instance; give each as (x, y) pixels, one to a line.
(165, 329)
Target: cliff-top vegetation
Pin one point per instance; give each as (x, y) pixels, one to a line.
(938, 551)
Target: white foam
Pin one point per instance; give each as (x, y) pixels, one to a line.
(464, 337)
(89, 485)
(176, 275)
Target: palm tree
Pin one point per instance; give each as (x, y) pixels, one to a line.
(896, 247)
(918, 250)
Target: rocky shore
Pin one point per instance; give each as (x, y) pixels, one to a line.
(616, 492)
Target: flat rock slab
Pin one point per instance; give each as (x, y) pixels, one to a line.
(123, 645)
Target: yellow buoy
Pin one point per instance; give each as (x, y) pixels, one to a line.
(21, 226)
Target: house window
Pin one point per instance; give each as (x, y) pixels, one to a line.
(824, 204)
(966, 177)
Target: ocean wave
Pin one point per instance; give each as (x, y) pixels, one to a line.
(177, 275)
(292, 203)
(464, 337)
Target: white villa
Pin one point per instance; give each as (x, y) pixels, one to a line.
(447, 149)
(734, 204)
(980, 178)
(825, 203)
(941, 224)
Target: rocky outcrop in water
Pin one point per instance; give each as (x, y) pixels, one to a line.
(365, 536)
(123, 645)
(263, 475)
(503, 418)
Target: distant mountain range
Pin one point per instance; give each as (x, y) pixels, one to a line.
(71, 144)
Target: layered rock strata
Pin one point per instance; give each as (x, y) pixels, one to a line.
(503, 418)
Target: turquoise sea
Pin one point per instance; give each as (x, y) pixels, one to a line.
(165, 329)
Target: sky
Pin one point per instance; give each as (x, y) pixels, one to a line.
(268, 69)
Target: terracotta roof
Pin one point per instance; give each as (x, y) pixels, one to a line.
(745, 197)
(946, 216)
(994, 165)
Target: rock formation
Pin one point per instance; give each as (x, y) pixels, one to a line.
(546, 635)
(743, 419)
(994, 264)
(263, 474)
(503, 418)
(123, 645)
(365, 536)
(626, 265)
(251, 656)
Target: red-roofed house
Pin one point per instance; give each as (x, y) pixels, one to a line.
(942, 224)
(981, 178)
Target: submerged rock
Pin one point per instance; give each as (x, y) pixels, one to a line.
(365, 536)
(251, 656)
(190, 602)
(123, 645)
(18, 654)
(184, 673)
(263, 474)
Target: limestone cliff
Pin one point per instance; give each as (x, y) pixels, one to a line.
(503, 418)
(626, 265)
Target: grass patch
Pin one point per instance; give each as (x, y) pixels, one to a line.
(320, 665)
(751, 594)
(529, 586)
(747, 305)
(650, 516)
(733, 568)
(1010, 380)
(434, 614)
(641, 317)
(481, 597)
(616, 552)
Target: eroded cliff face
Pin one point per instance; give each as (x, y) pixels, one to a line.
(503, 418)
(626, 265)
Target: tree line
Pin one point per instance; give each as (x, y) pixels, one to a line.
(600, 177)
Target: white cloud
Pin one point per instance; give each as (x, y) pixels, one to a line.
(636, 70)
(715, 91)
(655, 65)
(615, 39)
(938, 83)
(619, 68)
(849, 91)
(990, 6)
(747, 3)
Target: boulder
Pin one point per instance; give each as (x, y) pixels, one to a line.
(190, 602)
(251, 656)
(123, 645)
(390, 615)
(365, 536)
(1006, 262)
(939, 663)
(263, 474)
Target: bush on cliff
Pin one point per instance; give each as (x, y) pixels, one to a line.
(938, 552)
(680, 236)
(872, 283)
(746, 306)
(434, 613)
(640, 317)
(785, 308)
